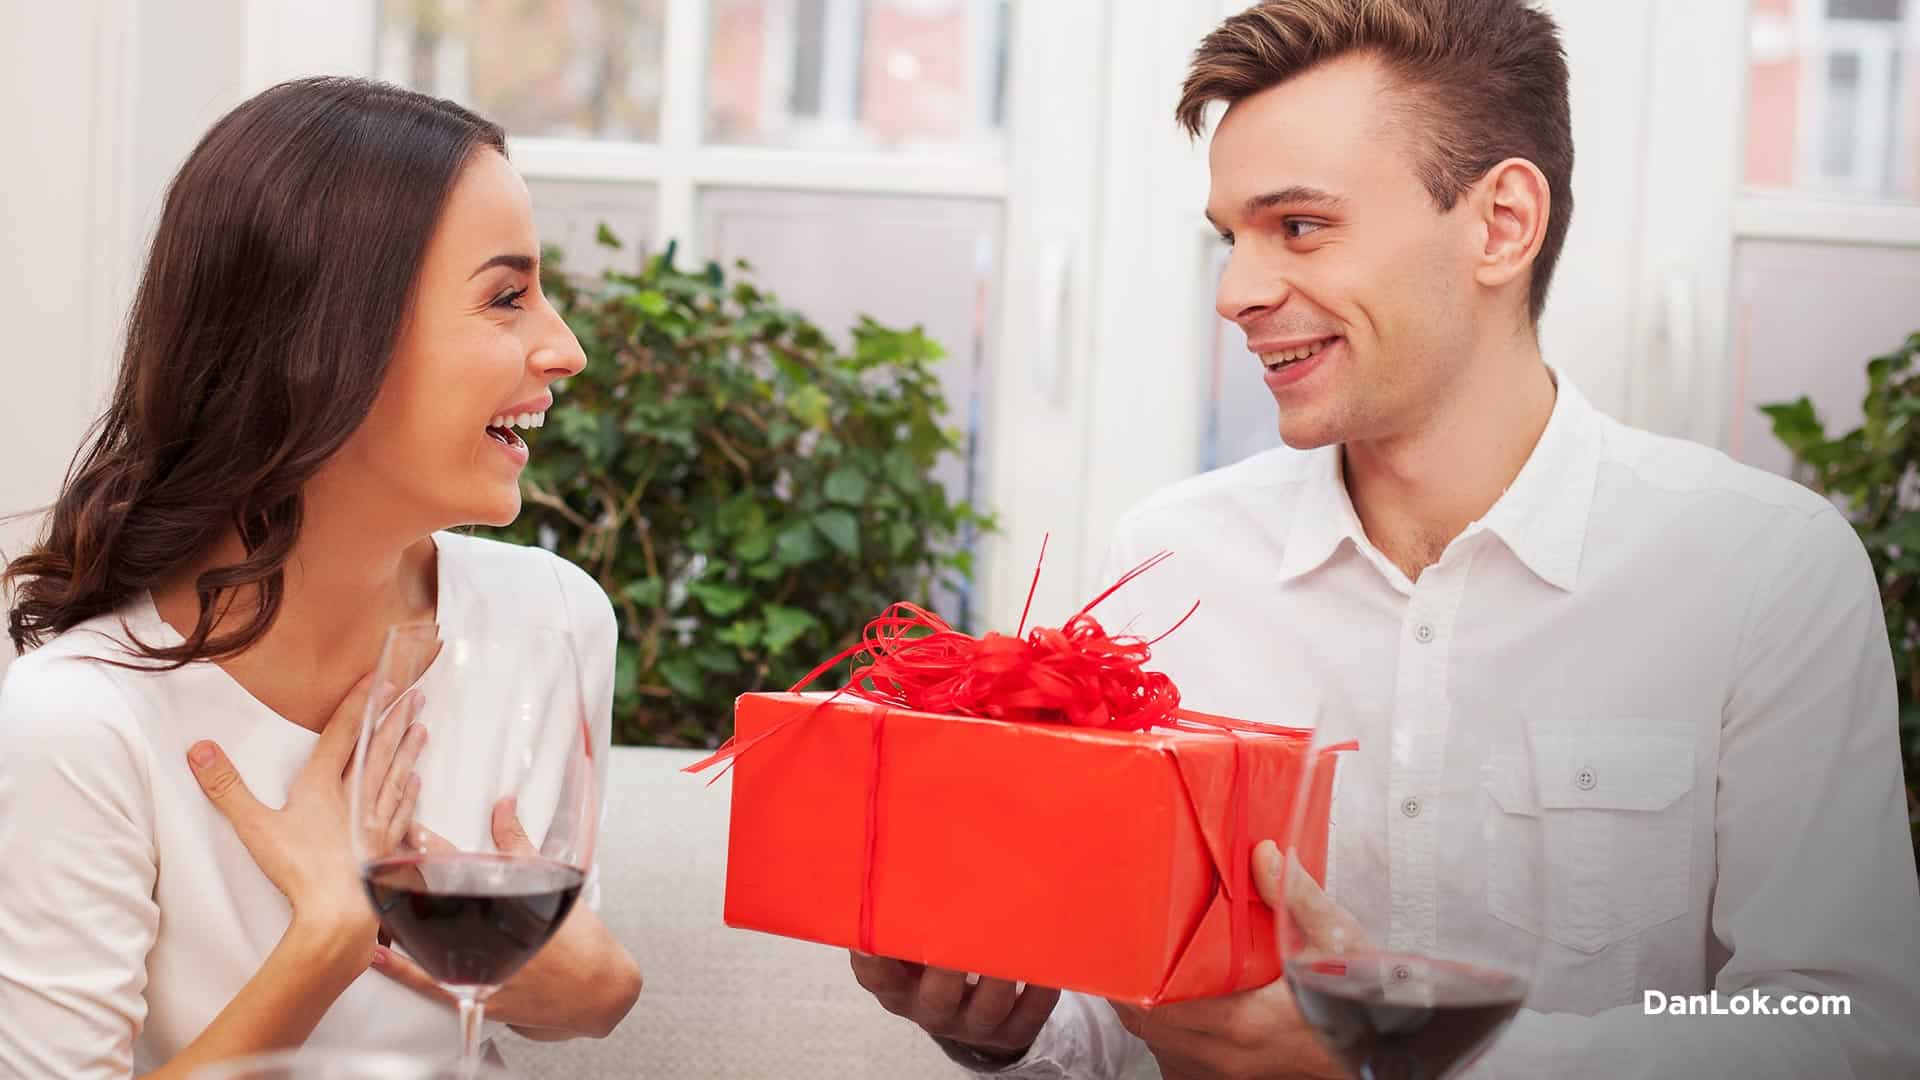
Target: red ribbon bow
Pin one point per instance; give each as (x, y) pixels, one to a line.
(1077, 674)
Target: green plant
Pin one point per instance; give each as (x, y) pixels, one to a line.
(1874, 468)
(748, 492)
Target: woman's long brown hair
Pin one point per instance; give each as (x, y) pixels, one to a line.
(280, 275)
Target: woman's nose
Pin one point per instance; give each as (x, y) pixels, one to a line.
(558, 354)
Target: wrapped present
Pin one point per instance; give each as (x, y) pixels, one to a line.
(1035, 808)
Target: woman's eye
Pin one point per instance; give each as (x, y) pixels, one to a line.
(510, 299)
(1299, 228)
(1226, 238)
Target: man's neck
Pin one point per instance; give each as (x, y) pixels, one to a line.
(1416, 490)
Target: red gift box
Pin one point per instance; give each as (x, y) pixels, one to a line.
(1114, 863)
(1034, 808)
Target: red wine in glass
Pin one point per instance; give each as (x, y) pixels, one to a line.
(1402, 1016)
(475, 871)
(471, 919)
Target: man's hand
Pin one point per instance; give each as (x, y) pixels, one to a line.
(1253, 1035)
(994, 1016)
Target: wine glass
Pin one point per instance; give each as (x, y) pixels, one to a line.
(309, 1065)
(1414, 887)
(475, 800)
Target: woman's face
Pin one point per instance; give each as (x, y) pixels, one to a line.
(479, 349)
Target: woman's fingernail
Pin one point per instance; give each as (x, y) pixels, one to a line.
(202, 754)
(379, 956)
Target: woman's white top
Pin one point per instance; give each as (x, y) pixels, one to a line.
(130, 913)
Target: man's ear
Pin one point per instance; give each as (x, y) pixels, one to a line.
(1512, 203)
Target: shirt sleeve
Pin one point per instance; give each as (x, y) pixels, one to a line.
(1815, 892)
(1082, 1040)
(596, 635)
(77, 914)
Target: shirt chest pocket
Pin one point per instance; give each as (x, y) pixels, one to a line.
(1617, 813)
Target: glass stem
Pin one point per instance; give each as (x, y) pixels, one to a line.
(473, 1013)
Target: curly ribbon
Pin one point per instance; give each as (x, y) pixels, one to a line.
(1077, 675)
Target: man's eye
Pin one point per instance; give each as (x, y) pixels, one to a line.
(1299, 228)
(510, 299)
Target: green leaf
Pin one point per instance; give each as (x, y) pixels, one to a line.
(847, 484)
(646, 592)
(785, 626)
(651, 303)
(743, 634)
(717, 659)
(900, 536)
(1797, 425)
(798, 544)
(683, 675)
(840, 528)
(754, 546)
(604, 237)
(809, 405)
(720, 599)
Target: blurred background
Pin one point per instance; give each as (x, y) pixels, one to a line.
(1006, 173)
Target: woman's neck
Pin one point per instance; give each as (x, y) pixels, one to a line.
(349, 578)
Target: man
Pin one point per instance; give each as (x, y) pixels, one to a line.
(1395, 179)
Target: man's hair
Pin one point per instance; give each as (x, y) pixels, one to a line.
(1479, 81)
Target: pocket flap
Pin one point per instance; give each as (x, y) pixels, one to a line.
(1613, 772)
(1600, 772)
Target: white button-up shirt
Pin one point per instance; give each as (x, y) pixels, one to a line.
(1702, 660)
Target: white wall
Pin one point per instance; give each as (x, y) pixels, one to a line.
(117, 103)
(61, 208)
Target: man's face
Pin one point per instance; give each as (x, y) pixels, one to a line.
(1356, 292)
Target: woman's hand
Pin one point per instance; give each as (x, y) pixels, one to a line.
(581, 983)
(304, 847)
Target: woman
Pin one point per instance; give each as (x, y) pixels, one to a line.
(339, 325)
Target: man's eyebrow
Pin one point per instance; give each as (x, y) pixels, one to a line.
(1297, 195)
(522, 263)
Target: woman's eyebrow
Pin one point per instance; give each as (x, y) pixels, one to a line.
(522, 263)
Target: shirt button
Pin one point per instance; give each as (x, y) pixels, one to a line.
(1411, 807)
(1401, 973)
(1585, 779)
(1423, 633)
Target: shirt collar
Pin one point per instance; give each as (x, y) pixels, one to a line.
(1323, 517)
(1541, 517)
